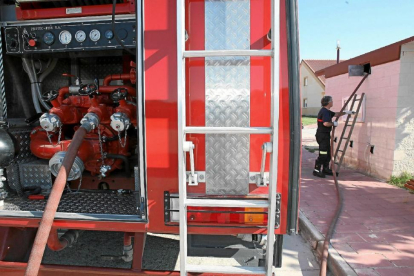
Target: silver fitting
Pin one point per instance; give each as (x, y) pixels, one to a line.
(74, 89)
(50, 122)
(120, 121)
(104, 169)
(56, 162)
(90, 121)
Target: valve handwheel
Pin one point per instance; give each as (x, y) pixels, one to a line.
(88, 90)
(119, 94)
(50, 95)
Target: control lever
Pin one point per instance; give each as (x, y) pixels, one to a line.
(261, 180)
(192, 178)
(33, 118)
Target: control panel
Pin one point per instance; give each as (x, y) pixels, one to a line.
(65, 37)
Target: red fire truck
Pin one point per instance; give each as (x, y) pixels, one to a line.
(137, 116)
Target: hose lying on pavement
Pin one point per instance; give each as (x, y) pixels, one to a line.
(339, 195)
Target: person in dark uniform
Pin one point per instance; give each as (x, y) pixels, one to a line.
(323, 136)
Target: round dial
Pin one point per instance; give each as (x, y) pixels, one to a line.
(65, 37)
(109, 34)
(80, 36)
(95, 35)
(48, 38)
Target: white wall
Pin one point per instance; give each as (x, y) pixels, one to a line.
(381, 89)
(404, 136)
(312, 92)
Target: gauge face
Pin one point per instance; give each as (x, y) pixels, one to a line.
(95, 35)
(109, 34)
(65, 37)
(80, 36)
(48, 38)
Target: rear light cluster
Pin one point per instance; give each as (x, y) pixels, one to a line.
(205, 216)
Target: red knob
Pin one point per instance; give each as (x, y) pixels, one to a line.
(32, 42)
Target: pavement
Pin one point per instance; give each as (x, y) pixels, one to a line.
(375, 232)
(162, 253)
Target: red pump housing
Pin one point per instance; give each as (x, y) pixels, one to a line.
(70, 111)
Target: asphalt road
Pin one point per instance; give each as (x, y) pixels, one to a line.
(162, 253)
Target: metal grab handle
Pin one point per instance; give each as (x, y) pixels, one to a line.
(260, 178)
(192, 179)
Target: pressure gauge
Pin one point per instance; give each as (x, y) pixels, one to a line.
(95, 35)
(109, 34)
(65, 37)
(48, 38)
(80, 36)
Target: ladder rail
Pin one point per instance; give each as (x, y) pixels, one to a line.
(275, 91)
(181, 120)
(183, 128)
(345, 127)
(350, 131)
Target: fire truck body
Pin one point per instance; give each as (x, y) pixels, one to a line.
(115, 75)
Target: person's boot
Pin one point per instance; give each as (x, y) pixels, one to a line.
(327, 171)
(317, 171)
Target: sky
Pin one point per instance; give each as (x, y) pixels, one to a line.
(360, 26)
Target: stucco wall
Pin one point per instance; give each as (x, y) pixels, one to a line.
(381, 89)
(313, 91)
(404, 136)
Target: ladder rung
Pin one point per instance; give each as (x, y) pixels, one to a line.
(227, 53)
(348, 125)
(341, 150)
(239, 270)
(229, 130)
(236, 203)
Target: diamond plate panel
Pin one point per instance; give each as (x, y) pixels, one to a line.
(54, 80)
(24, 155)
(36, 173)
(91, 203)
(227, 27)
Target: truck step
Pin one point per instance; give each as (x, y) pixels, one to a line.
(227, 53)
(238, 270)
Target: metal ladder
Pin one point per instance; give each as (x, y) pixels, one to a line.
(185, 146)
(340, 153)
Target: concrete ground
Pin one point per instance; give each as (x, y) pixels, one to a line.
(162, 253)
(375, 232)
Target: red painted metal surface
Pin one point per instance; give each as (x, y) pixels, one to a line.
(76, 224)
(15, 242)
(161, 104)
(33, 11)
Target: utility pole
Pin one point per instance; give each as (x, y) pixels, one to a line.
(338, 48)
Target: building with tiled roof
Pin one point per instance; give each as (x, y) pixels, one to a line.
(312, 86)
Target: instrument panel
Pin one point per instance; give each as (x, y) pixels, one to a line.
(66, 37)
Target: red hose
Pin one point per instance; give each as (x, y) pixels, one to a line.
(42, 235)
(54, 243)
(339, 205)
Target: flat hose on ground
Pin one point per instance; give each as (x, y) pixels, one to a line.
(42, 235)
(324, 261)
